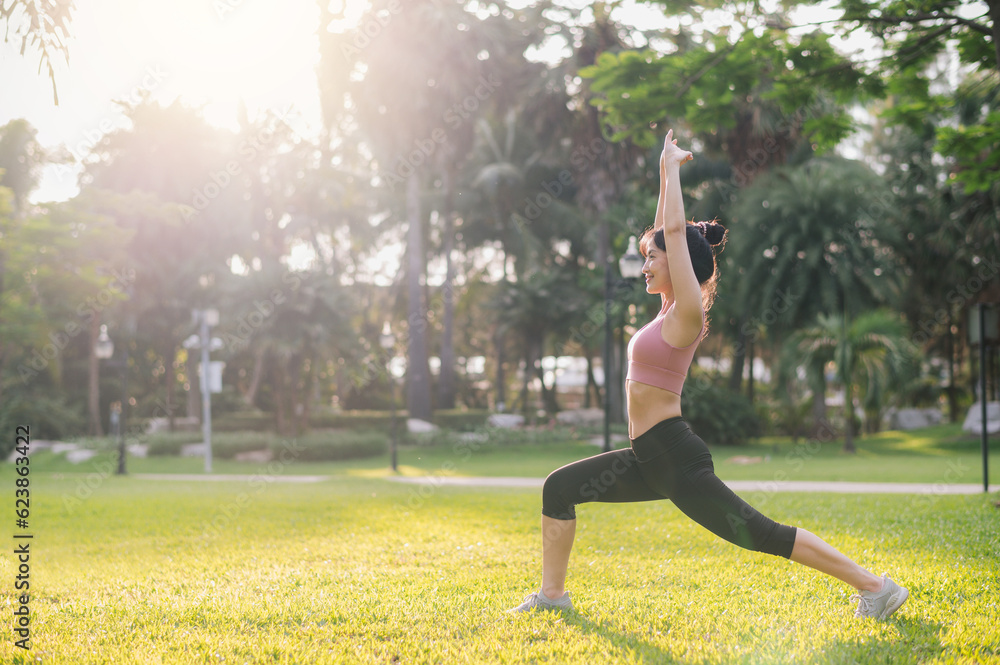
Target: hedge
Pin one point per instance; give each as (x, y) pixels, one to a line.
(327, 445)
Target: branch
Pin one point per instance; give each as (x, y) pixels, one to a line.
(899, 20)
(704, 70)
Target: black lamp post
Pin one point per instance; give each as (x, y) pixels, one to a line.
(104, 350)
(388, 342)
(630, 267)
(983, 331)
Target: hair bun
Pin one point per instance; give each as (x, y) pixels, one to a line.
(714, 232)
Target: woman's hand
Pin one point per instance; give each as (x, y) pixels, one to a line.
(671, 153)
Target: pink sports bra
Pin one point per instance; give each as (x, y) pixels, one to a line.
(654, 362)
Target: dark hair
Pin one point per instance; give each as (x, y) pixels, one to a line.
(701, 238)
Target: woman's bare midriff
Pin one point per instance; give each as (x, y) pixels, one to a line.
(648, 405)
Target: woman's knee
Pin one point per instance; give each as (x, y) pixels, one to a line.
(558, 495)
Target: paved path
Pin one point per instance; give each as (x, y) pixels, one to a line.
(767, 486)
(223, 477)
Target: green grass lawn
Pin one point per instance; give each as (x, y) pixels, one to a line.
(940, 454)
(359, 570)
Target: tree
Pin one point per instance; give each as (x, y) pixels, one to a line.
(751, 96)
(43, 26)
(915, 35)
(808, 240)
(868, 351)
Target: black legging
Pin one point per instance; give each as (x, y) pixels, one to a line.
(668, 461)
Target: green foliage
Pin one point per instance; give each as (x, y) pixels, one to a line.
(977, 149)
(461, 420)
(239, 421)
(170, 443)
(319, 445)
(226, 445)
(354, 419)
(711, 84)
(716, 414)
(47, 418)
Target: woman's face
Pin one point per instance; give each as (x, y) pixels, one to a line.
(656, 270)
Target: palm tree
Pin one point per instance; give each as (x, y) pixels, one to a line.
(804, 242)
(868, 352)
(534, 306)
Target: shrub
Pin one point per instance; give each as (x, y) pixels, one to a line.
(170, 443)
(228, 445)
(461, 420)
(717, 415)
(243, 421)
(357, 420)
(47, 418)
(326, 445)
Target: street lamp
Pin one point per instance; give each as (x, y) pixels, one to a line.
(983, 331)
(205, 318)
(630, 266)
(104, 349)
(388, 342)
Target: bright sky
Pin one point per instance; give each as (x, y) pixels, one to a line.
(210, 53)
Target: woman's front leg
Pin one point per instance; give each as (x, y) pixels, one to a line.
(557, 543)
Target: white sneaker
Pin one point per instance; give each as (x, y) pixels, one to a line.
(539, 601)
(880, 604)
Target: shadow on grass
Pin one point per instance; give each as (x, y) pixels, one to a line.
(631, 645)
(916, 640)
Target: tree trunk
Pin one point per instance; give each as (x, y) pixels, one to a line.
(194, 389)
(500, 403)
(739, 357)
(849, 416)
(591, 389)
(817, 385)
(281, 415)
(93, 383)
(305, 394)
(953, 416)
(418, 397)
(171, 379)
(446, 380)
(550, 397)
(250, 396)
(529, 372)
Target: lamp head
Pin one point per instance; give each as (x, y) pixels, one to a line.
(630, 264)
(104, 348)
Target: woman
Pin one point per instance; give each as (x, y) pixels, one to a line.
(666, 460)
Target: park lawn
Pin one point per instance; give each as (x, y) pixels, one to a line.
(940, 454)
(360, 570)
